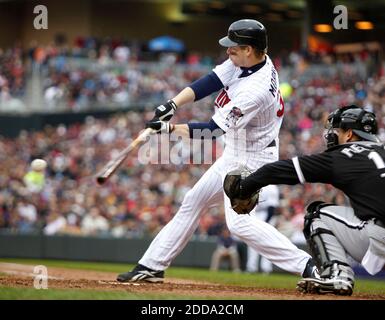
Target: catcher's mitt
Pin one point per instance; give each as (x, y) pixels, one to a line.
(231, 186)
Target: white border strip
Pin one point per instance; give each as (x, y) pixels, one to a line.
(298, 170)
(341, 218)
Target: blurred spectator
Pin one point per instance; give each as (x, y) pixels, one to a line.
(27, 215)
(122, 54)
(55, 224)
(34, 179)
(94, 223)
(226, 249)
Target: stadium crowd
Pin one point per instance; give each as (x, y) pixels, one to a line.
(112, 73)
(12, 74)
(141, 198)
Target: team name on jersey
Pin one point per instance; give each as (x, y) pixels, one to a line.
(222, 99)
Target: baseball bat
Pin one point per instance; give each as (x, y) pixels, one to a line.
(109, 169)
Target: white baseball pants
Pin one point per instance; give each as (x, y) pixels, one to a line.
(208, 191)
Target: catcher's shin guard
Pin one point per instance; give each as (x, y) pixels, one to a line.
(336, 276)
(313, 238)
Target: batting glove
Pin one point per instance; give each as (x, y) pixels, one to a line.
(160, 126)
(165, 111)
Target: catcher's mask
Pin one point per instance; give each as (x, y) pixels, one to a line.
(362, 122)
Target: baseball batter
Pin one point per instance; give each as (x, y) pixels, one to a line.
(248, 111)
(355, 163)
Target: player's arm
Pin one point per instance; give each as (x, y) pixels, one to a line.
(199, 89)
(166, 111)
(204, 86)
(314, 168)
(196, 91)
(187, 95)
(199, 130)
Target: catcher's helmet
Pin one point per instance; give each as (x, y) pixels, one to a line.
(246, 32)
(362, 122)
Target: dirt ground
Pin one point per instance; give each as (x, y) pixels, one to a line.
(19, 275)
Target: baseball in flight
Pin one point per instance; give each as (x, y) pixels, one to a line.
(38, 164)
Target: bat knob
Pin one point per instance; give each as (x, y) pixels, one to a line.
(100, 180)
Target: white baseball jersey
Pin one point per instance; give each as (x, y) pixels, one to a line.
(250, 100)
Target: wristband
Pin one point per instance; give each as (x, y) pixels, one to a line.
(173, 104)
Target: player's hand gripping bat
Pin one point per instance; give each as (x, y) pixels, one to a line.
(109, 169)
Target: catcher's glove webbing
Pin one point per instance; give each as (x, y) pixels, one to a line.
(231, 186)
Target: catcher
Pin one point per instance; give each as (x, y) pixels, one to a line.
(353, 162)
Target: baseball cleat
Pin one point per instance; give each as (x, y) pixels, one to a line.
(141, 274)
(323, 286)
(311, 270)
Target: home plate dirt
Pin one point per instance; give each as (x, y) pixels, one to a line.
(20, 275)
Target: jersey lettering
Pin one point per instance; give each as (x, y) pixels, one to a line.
(275, 90)
(347, 152)
(357, 149)
(353, 149)
(222, 99)
(281, 104)
(378, 161)
(273, 82)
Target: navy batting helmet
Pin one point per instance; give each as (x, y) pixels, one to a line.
(246, 32)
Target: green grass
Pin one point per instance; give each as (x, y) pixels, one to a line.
(95, 266)
(284, 281)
